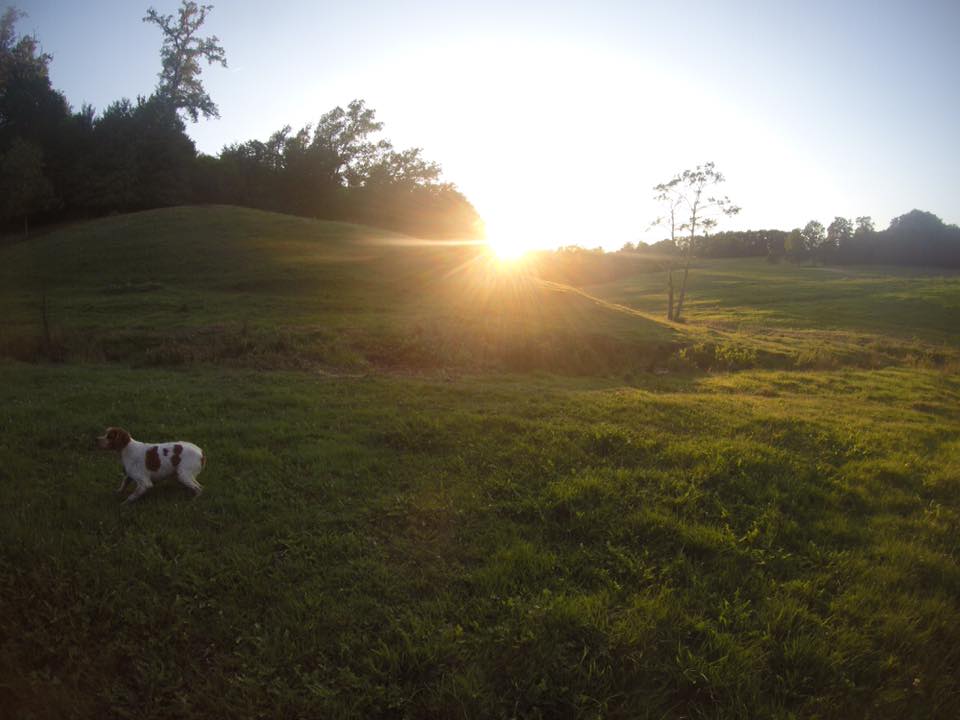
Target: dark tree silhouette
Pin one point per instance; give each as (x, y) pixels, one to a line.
(24, 189)
(181, 55)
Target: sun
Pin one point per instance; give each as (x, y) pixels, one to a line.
(505, 247)
(509, 238)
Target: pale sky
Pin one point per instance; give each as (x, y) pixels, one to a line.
(556, 118)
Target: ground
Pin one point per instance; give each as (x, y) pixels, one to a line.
(457, 538)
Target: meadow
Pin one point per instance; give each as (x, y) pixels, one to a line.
(438, 487)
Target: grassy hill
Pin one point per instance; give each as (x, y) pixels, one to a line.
(223, 283)
(777, 541)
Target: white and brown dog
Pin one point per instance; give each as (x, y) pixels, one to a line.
(145, 462)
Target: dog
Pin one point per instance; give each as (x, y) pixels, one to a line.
(145, 462)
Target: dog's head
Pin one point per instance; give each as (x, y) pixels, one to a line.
(113, 439)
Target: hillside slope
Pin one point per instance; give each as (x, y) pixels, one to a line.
(232, 284)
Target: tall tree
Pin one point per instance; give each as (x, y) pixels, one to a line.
(864, 225)
(29, 107)
(839, 236)
(343, 136)
(181, 54)
(688, 192)
(814, 239)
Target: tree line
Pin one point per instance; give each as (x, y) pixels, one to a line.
(915, 238)
(60, 164)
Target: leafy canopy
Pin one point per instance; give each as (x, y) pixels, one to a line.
(180, 56)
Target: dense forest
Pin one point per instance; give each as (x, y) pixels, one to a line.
(59, 164)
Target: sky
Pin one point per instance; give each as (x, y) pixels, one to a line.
(557, 118)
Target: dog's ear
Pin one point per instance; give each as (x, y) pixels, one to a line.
(117, 438)
(121, 438)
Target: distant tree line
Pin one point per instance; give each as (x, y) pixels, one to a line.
(60, 164)
(577, 266)
(916, 238)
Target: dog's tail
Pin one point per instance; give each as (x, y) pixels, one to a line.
(203, 460)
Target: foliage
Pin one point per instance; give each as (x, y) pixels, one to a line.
(685, 192)
(916, 238)
(136, 155)
(24, 189)
(30, 109)
(181, 55)
(839, 233)
(814, 238)
(341, 170)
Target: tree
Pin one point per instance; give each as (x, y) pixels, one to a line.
(795, 245)
(686, 192)
(29, 107)
(141, 157)
(839, 236)
(919, 238)
(342, 136)
(24, 188)
(814, 238)
(864, 226)
(180, 57)
(671, 201)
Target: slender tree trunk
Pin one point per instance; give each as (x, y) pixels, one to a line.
(683, 291)
(686, 265)
(670, 292)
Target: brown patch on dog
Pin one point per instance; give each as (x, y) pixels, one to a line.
(177, 450)
(153, 458)
(114, 439)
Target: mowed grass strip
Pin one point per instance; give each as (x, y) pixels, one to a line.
(762, 544)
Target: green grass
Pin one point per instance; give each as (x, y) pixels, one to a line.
(436, 489)
(750, 293)
(230, 285)
(758, 544)
(747, 312)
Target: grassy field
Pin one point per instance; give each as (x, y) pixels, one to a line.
(811, 317)
(244, 287)
(445, 536)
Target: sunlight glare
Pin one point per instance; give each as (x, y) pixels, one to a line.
(509, 236)
(506, 247)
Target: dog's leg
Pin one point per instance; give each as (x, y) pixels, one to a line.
(123, 483)
(142, 486)
(190, 482)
